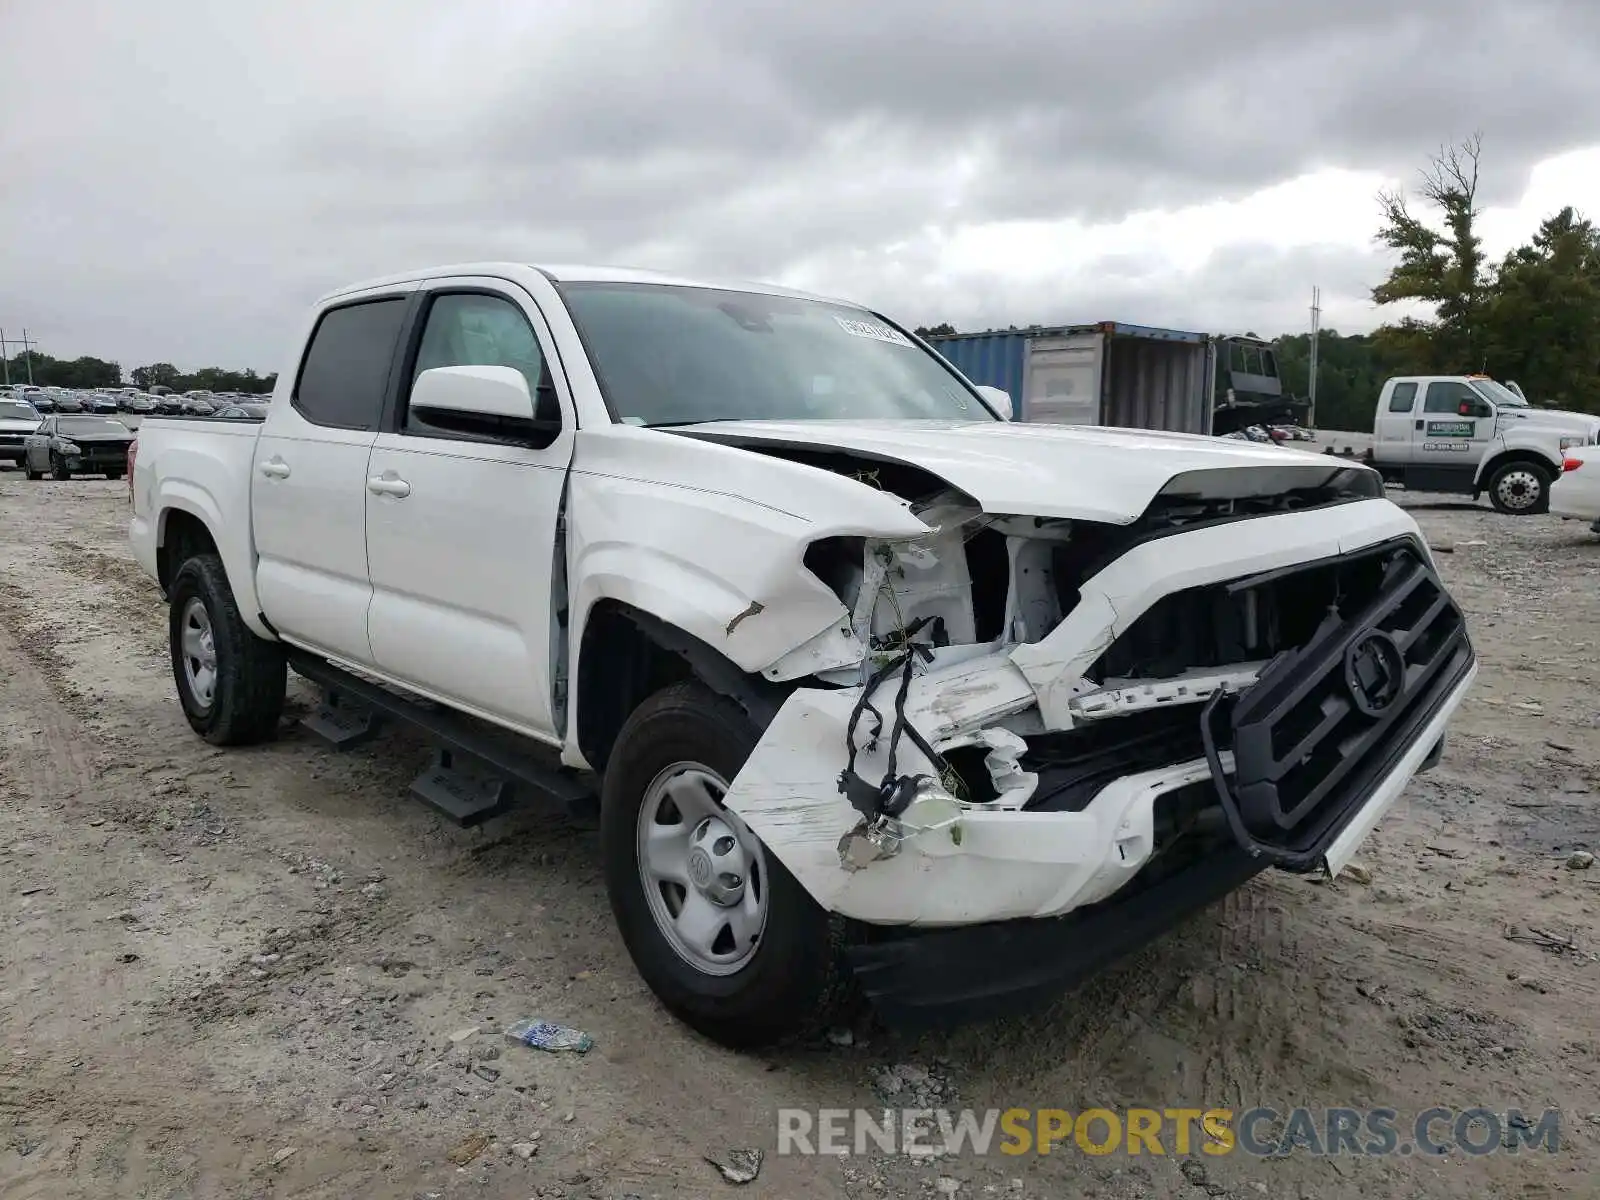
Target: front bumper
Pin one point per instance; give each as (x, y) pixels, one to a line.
(1009, 859)
(952, 975)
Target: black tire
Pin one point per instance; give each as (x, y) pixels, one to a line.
(58, 469)
(27, 469)
(1520, 488)
(794, 980)
(116, 474)
(250, 672)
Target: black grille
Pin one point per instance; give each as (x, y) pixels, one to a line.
(1242, 621)
(1326, 721)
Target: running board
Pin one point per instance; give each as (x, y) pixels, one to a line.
(474, 775)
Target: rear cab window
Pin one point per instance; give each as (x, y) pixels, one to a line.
(1403, 398)
(345, 373)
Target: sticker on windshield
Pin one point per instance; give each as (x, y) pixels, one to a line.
(1452, 428)
(870, 329)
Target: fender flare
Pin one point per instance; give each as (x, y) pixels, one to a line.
(239, 565)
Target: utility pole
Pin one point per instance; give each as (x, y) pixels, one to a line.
(5, 354)
(1316, 327)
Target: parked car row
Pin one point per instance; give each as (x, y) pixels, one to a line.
(1273, 433)
(198, 403)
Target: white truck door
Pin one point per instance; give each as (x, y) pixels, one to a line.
(308, 497)
(1452, 434)
(461, 522)
(1395, 406)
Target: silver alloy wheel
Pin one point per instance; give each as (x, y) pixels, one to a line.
(704, 873)
(199, 650)
(1518, 489)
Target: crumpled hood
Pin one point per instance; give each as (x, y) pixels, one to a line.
(1069, 471)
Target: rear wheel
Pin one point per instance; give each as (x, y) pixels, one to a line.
(230, 681)
(725, 936)
(1520, 489)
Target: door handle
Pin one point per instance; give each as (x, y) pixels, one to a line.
(1419, 424)
(380, 485)
(275, 468)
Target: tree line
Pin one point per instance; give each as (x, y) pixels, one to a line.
(1533, 317)
(87, 372)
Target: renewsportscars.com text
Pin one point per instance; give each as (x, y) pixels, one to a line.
(1263, 1132)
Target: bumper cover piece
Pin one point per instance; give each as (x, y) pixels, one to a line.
(981, 971)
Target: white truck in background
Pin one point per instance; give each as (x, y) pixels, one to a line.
(1468, 434)
(870, 684)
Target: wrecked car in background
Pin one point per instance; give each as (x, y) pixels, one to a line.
(871, 681)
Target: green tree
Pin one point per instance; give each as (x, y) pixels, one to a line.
(943, 329)
(163, 373)
(1440, 267)
(1543, 320)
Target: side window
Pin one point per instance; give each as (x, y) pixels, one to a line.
(346, 368)
(474, 330)
(1447, 396)
(1403, 397)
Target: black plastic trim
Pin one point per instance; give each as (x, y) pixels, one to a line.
(448, 727)
(945, 976)
(1294, 830)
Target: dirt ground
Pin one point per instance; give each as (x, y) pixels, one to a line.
(238, 974)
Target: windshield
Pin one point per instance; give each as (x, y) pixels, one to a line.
(1499, 393)
(669, 355)
(89, 426)
(10, 410)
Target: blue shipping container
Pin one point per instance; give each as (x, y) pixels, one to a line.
(1131, 376)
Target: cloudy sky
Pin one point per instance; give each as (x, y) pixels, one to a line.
(181, 176)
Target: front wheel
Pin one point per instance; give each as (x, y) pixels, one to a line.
(230, 681)
(1520, 489)
(724, 935)
(58, 469)
(114, 474)
(27, 469)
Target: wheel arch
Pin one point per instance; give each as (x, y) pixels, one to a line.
(625, 655)
(187, 523)
(1535, 458)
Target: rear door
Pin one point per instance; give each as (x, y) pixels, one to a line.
(308, 497)
(1394, 424)
(1453, 431)
(461, 525)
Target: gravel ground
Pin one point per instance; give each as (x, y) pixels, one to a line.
(252, 973)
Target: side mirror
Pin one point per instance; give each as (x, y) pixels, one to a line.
(999, 399)
(500, 392)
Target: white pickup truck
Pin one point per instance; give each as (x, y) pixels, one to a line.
(874, 687)
(1469, 434)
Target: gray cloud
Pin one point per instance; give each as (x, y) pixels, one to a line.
(201, 171)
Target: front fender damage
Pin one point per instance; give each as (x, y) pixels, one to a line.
(922, 847)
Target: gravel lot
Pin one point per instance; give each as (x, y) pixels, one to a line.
(238, 974)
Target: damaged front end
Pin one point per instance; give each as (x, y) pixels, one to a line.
(1047, 713)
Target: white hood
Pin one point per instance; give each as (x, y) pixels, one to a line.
(13, 425)
(1548, 418)
(1070, 471)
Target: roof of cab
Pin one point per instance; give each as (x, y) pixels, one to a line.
(576, 274)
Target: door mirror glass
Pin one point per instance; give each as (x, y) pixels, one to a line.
(497, 392)
(1475, 408)
(999, 400)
